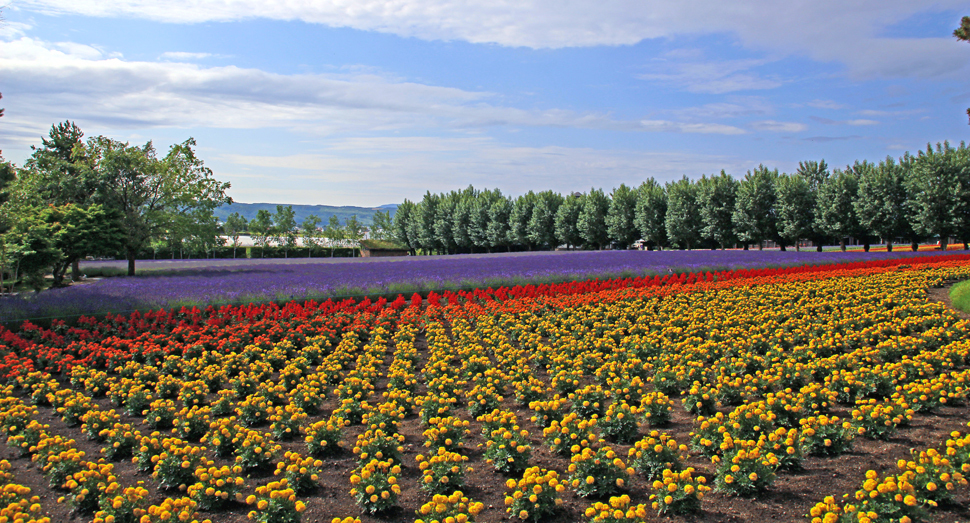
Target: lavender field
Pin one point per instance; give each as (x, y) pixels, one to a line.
(174, 283)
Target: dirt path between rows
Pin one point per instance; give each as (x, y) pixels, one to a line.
(942, 295)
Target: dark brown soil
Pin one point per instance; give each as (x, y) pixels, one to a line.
(788, 500)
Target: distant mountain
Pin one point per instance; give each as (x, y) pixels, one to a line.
(365, 215)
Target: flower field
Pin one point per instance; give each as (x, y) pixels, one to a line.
(828, 393)
(176, 283)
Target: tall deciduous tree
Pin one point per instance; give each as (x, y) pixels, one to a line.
(78, 231)
(519, 220)
(621, 215)
(423, 229)
(880, 205)
(542, 224)
(936, 185)
(683, 219)
(794, 208)
(261, 228)
(498, 223)
(461, 221)
(235, 225)
(815, 173)
(444, 222)
(651, 213)
(354, 231)
(149, 193)
(382, 227)
(715, 198)
(403, 217)
(567, 216)
(479, 218)
(334, 232)
(591, 224)
(836, 215)
(754, 211)
(310, 232)
(284, 225)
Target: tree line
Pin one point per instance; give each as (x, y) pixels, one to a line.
(281, 229)
(100, 197)
(913, 198)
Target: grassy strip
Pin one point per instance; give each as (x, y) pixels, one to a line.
(960, 295)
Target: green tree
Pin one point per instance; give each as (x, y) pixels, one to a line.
(234, 227)
(498, 224)
(880, 206)
(284, 225)
(354, 231)
(754, 210)
(56, 170)
(310, 232)
(963, 33)
(79, 231)
(261, 228)
(149, 193)
(683, 220)
(461, 219)
(836, 213)
(567, 217)
(30, 248)
(592, 219)
(650, 215)
(542, 224)
(403, 217)
(620, 217)
(444, 222)
(334, 232)
(423, 223)
(794, 208)
(815, 173)
(715, 198)
(382, 227)
(519, 219)
(936, 185)
(479, 218)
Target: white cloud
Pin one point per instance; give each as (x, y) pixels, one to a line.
(395, 168)
(180, 56)
(778, 127)
(846, 33)
(713, 77)
(685, 127)
(861, 122)
(825, 104)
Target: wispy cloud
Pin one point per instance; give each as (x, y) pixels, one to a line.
(713, 77)
(825, 104)
(181, 56)
(823, 31)
(394, 168)
(685, 127)
(778, 127)
(854, 122)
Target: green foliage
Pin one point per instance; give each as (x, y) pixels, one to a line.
(591, 223)
(683, 219)
(716, 198)
(566, 218)
(960, 295)
(620, 217)
(836, 216)
(650, 214)
(881, 198)
(284, 228)
(754, 214)
(794, 208)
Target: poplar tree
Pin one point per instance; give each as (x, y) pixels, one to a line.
(683, 218)
(650, 214)
(716, 198)
(620, 216)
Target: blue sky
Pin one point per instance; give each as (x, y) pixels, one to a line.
(357, 102)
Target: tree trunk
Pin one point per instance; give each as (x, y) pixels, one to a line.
(865, 245)
(889, 246)
(761, 245)
(914, 246)
(783, 248)
(746, 246)
(842, 244)
(943, 242)
(818, 248)
(76, 270)
(130, 254)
